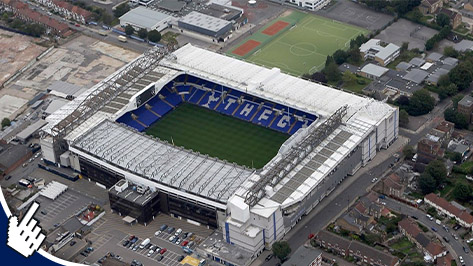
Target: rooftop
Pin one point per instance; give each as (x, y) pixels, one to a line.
(204, 21)
(416, 75)
(403, 66)
(223, 12)
(434, 56)
(171, 5)
(131, 194)
(383, 52)
(466, 101)
(303, 256)
(463, 45)
(144, 17)
(374, 70)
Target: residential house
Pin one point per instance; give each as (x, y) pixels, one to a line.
(455, 16)
(392, 186)
(348, 223)
(305, 256)
(383, 54)
(430, 6)
(444, 261)
(333, 242)
(22, 11)
(360, 251)
(68, 10)
(447, 128)
(429, 149)
(465, 107)
(409, 228)
(443, 206)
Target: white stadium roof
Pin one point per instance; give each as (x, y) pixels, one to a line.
(106, 141)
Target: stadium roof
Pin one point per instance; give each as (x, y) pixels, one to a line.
(162, 162)
(63, 89)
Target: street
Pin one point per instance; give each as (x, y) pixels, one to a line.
(456, 245)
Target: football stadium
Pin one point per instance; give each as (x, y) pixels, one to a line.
(217, 141)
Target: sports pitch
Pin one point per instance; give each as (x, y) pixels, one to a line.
(299, 47)
(218, 135)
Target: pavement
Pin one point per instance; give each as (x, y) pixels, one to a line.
(454, 246)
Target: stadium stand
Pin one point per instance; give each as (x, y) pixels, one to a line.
(221, 99)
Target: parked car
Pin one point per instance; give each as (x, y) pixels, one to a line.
(456, 227)
(131, 237)
(150, 252)
(8, 177)
(438, 222)
(178, 232)
(162, 251)
(157, 233)
(160, 258)
(446, 239)
(184, 243)
(163, 227)
(466, 249)
(434, 229)
(126, 243)
(171, 238)
(178, 241)
(170, 230)
(269, 257)
(180, 258)
(190, 244)
(414, 217)
(72, 243)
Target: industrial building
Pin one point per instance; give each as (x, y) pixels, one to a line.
(206, 25)
(145, 18)
(252, 208)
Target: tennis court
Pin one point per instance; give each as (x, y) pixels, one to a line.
(302, 46)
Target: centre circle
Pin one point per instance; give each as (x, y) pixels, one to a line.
(303, 49)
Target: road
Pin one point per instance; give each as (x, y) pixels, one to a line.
(350, 189)
(456, 245)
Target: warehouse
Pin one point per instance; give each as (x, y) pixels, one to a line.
(205, 25)
(145, 18)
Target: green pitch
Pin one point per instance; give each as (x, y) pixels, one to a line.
(218, 135)
(303, 46)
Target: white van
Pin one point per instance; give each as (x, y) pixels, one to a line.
(144, 243)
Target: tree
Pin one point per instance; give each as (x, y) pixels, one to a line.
(456, 99)
(450, 90)
(328, 60)
(417, 15)
(154, 36)
(332, 72)
(403, 118)
(421, 103)
(354, 56)
(427, 184)
(444, 80)
(6, 122)
(340, 57)
(403, 101)
(437, 170)
(129, 30)
(450, 51)
(462, 75)
(348, 78)
(462, 192)
(404, 47)
(142, 33)
(120, 10)
(319, 77)
(442, 20)
(408, 152)
(281, 249)
(452, 115)
(456, 157)
(429, 45)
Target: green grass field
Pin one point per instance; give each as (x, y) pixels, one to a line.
(218, 135)
(302, 48)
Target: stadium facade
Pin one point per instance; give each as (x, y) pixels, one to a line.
(333, 134)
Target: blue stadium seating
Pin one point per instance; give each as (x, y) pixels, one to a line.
(195, 97)
(231, 108)
(174, 99)
(210, 100)
(246, 110)
(285, 121)
(264, 121)
(161, 108)
(192, 94)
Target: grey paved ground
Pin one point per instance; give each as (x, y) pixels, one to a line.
(356, 14)
(406, 31)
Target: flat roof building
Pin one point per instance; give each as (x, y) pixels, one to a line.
(145, 18)
(205, 24)
(416, 75)
(373, 71)
(227, 13)
(374, 50)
